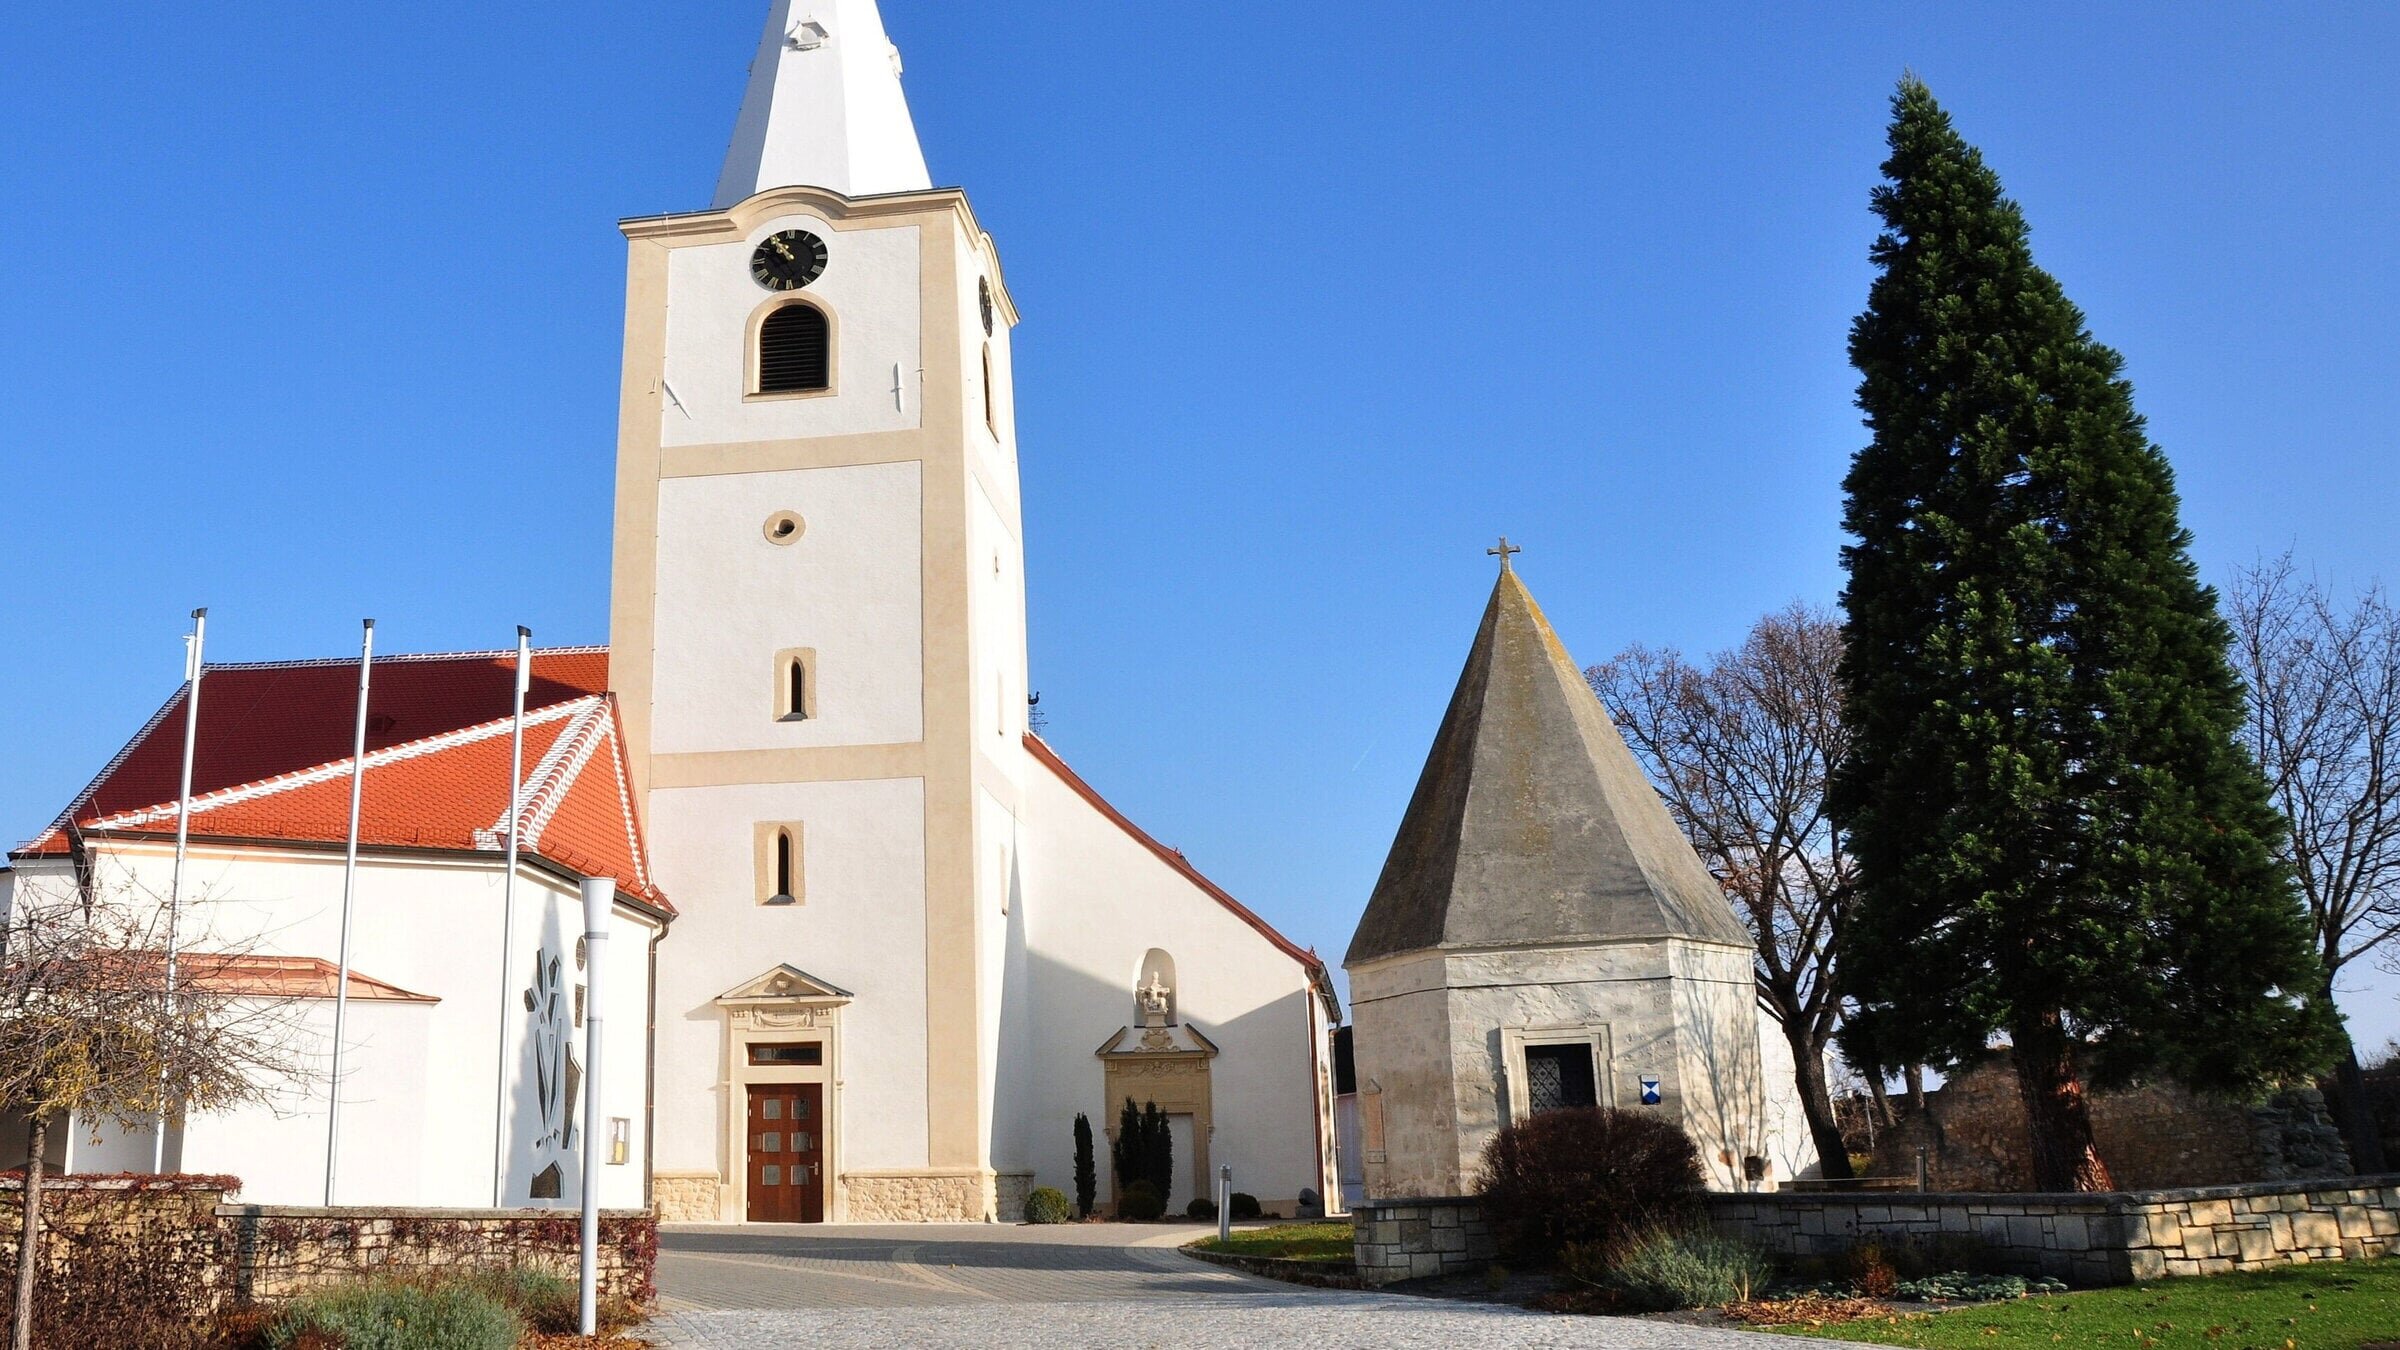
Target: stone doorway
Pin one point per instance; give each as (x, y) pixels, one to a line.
(786, 1167)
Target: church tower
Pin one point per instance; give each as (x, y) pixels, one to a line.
(818, 642)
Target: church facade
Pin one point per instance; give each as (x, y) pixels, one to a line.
(903, 916)
(900, 943)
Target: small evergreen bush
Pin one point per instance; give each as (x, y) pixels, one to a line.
(1140, 1201)
(1662, 1270)
(1586, 1175)
(393, 1315)
(1087, 1174)
(1048, 1204)
(1243, 1204)
(1201, 1208)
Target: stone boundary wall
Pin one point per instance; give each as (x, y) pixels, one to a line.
(1414, 1239)
(282, 1250)
(185, 1229)
(2092, 1239)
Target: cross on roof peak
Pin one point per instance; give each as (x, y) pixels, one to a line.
(1504, 552)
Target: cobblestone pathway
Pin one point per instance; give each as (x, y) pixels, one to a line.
(1072, 1285)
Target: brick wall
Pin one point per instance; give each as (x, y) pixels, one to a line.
(1413, 1239)
(2099, 1239)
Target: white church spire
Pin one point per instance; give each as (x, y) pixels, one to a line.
(824, 108)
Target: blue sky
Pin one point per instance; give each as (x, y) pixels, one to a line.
(313, 313)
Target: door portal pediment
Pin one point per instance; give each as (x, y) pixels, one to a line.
(784, 984)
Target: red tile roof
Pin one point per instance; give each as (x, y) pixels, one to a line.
(286, 977)
(272, 762)
(1308, 959)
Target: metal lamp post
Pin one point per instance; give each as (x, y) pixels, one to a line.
(599, 896)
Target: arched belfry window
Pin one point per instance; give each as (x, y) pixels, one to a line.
(991, 408)
(795, 351)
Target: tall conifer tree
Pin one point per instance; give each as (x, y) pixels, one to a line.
(2059, 841)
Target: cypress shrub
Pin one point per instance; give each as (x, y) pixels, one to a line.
(1087, 1174)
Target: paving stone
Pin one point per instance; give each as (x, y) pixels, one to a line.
(848, 1288)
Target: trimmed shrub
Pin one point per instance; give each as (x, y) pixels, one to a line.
(1140, 1201)
(1587, 1175)
(1243, 1204)
(392, 1315)
(1662, 1270)
(1087, 1176)
(1201, 1208)
(1048, 1204)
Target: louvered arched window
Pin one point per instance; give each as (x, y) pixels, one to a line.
(795, 351)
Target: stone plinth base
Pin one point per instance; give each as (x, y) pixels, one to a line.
(685, 1197)
(1417, 1238)
(921, 1197)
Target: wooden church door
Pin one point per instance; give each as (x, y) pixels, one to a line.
(787, 1153)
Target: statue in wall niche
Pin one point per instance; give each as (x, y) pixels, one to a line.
(1154, 998)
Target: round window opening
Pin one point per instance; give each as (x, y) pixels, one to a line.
(785, 527)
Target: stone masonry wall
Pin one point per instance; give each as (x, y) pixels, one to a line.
(1413, 1239)
(685, 1197)
(918, 1197)
(2098, 1239)
(1973, 1133)
(280, 1250)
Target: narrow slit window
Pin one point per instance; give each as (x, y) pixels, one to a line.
(782, 863)
(795, 351)
(795, 684)
(991, 414)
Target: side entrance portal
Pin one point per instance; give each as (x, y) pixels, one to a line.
(787, 1153)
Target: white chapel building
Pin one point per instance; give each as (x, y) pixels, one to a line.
(888, 945)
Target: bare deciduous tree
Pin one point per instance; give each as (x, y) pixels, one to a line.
(1741, 747)
(2324, 724)
(88, 1035)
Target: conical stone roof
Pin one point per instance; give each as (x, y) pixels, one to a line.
(1532, 825)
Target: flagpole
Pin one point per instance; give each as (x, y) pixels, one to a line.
(341, 981)
(508, 915)
(193, 656)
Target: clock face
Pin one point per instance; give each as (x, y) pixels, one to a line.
(986, 285)
(788, 260)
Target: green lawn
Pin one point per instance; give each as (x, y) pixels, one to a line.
(2325, 1306)
(1294, 1241)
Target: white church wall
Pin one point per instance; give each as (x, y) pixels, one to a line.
(869, 287)
(1007, 1011)
(995, 562)
(850, 589)
(1097, 901)
(278, 1148)
(998, 435)
(420, 1110)
(861, 926)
